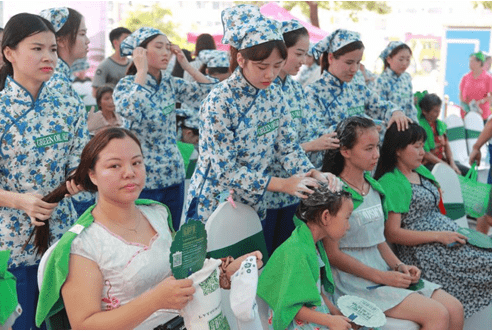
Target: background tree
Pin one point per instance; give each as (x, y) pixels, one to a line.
(310, 8)
(485, 4)
(155, 17)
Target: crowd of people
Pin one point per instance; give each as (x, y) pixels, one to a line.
(334, 159)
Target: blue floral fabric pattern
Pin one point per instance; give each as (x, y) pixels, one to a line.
(57, 16)
(62, 80)
(301, 113)
(398, 90)
(292, 25)
(132, 41)
(244, 130)
(214, 58)
(390, 47)
(41, 142)
(244, 26)
(333, 101)
(150, 113)
(335, 41)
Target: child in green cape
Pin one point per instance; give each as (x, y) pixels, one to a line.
(291, 282)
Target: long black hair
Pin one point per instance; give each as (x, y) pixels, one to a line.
(18, 28)
(347, 131)
(394, 141)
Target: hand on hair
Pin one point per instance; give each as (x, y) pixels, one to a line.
(73, 188)
(401, 120)
(140, 59)
(35, 207)
(325, 142)
(298, 185)
(180, 56)
(334, 183)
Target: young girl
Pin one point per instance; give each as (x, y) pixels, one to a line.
(436, 146)
(42, 137)
(362, 258)
(246, 125)
(394, 84)
(334, 96)
(281, 207)
(116, 272)
(291, 282)
(424, 236)
(146, 99)
(72, 41)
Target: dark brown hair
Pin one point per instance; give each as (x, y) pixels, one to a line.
(204, 41)
(70, 29)
(132, 70)
(101, 91)
(18, 28)
(258, 52)
(88, 159)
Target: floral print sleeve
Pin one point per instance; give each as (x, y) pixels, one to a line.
(191, 93)
(398, 90)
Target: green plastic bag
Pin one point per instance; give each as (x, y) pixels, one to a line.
(475, 194)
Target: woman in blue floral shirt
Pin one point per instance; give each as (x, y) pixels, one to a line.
(335, 96)
(247, 125)
(146, 98)
(281, 207)
(72, 41)
(42, 136)
(394, 84)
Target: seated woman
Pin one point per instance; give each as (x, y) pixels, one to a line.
(424, 236)
(292, 280)
(119, 274)
(437, 148)
(362, 258)
(106, 117)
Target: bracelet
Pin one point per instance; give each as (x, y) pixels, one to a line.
(224, 281)
(396, 267)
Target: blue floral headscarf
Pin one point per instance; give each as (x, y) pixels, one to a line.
(57, 16)
(288, 26)
(214, 58)
(191, 117)
(390, 47)
(244, 26)
(335, 41)
(130, 43)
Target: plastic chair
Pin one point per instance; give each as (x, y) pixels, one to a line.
(481, 320)
(474, 125)
(451, 193)
(456, 135)
(235, 231)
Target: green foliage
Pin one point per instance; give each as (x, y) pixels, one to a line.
(155, 17)
(485, 4)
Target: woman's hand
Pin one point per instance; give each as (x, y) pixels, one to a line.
(336, 322)
(180, 56)
(475, 156)
(334, 183)
(297, 185)
(140, 59)
(455, 168)
(412, 271)
(73, 188)
(446, 237)
(396, 279)
(324, 142)
(35, 207)
(174, 294)
(235, 265)
(400, 119)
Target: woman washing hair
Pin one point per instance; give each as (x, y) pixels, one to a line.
(43, 134)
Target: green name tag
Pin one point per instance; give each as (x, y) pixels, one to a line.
(356, 110)
(168, 109)
(296, 114)
(267, 128)
(48, 140)
(188, 250)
